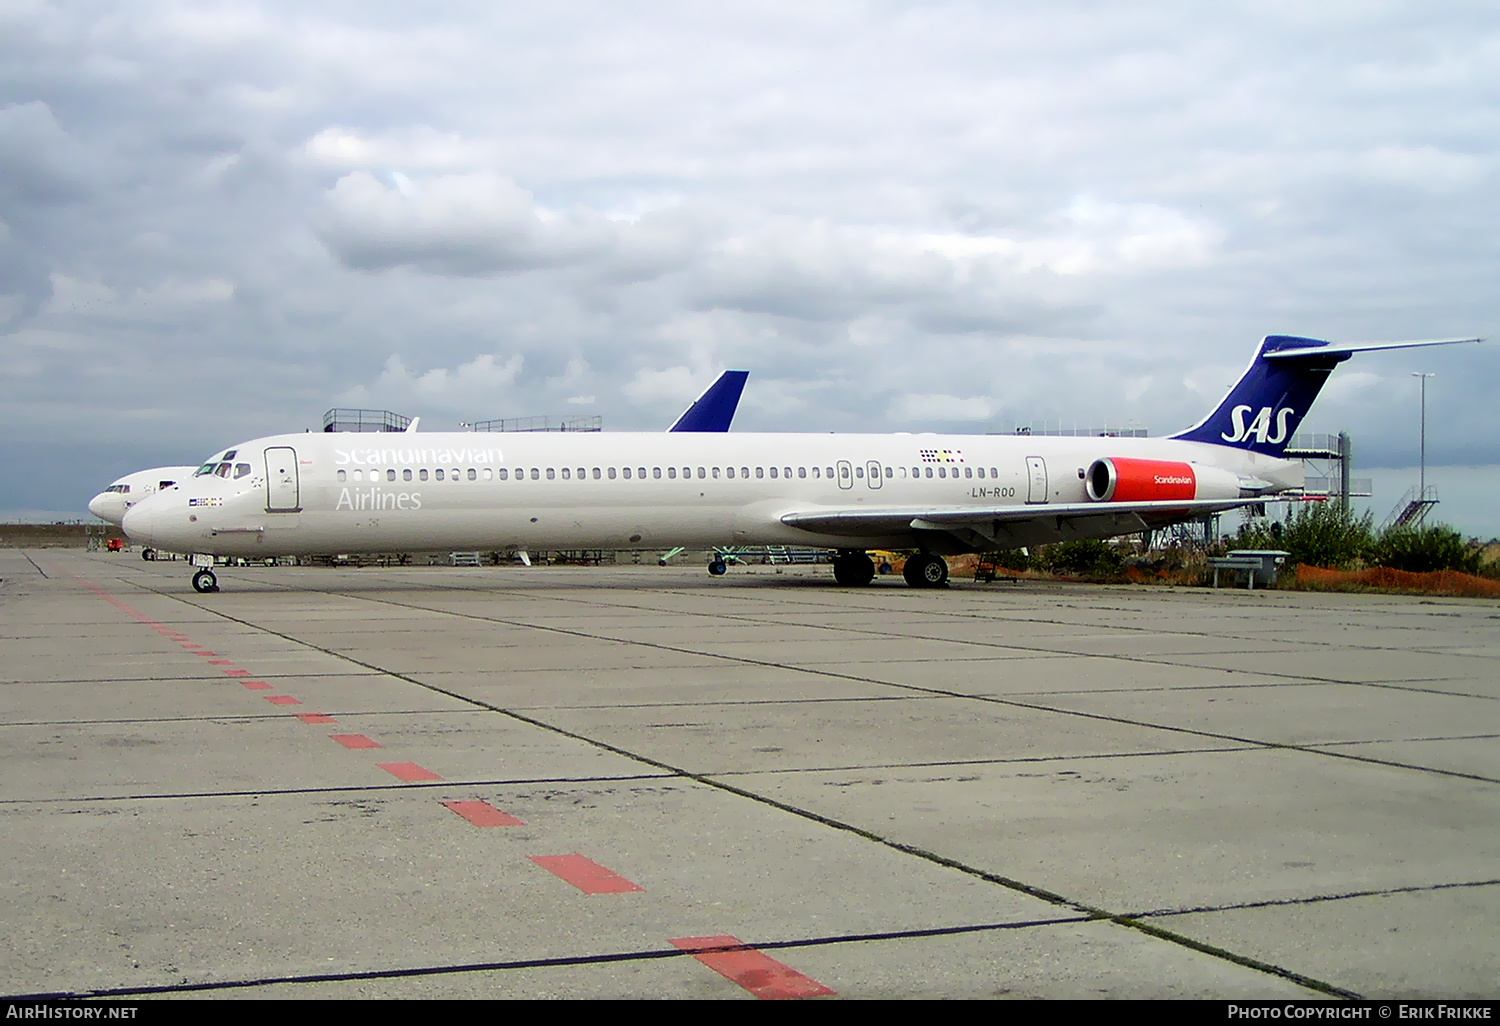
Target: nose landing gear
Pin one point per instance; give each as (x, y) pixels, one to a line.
(204, 582)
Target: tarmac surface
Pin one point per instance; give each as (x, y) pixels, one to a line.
(646, 782)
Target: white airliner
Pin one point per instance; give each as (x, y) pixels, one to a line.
(712, 411)
(937, 494)
(125, 492)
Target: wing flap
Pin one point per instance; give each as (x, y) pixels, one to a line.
(998, 522)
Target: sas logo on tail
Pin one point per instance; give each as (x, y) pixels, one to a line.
(1260, 427)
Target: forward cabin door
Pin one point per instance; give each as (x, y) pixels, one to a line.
(282, 492)
(1036, 478)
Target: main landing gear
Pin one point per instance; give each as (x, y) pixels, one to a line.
(204, 582)
(852, 567)
(924, 570)
(716, 566)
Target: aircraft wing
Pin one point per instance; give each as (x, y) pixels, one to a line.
(1007, 527)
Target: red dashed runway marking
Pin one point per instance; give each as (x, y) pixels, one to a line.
(356, 741)
(283, 700)
(585, 874)
(483, 814)
(758, 973)
(205, 653)
(221, 662)
(257, 685)
(315, 718)
(238, 673)
(408, 771)
(189, 644)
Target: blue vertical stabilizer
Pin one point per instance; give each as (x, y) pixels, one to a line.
(1262, 411)
(714, 409)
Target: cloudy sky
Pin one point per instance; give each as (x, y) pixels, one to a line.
(218, 220)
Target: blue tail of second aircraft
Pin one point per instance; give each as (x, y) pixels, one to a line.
(714, 409)
(1262, 411)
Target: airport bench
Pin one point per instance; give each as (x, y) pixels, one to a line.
(1250, 562)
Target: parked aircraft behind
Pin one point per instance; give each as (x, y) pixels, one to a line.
(712, 411)
(938, 494)
(125, 492)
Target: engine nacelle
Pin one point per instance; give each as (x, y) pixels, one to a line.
(1118, 479)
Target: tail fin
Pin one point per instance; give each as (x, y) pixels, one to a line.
(1262, 411)
(714, 409)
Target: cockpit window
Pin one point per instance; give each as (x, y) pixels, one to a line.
(222, 470)
(241, 470)
(207, 468)
(230, 454)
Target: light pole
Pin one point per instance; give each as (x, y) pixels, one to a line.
(1423, 479)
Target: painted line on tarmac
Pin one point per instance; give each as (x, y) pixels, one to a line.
(444, 785)
(1314, 899)
(751, 968)
(315, 718)
(483, 814)
(355, 741)
(545, 963)
(585, 874)
(408, 771)
(283, 700)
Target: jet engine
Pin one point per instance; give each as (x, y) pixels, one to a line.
(1117, 479)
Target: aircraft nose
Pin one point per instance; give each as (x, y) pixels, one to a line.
(99, 505)
(139, 523)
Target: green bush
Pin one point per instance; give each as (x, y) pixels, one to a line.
(1088, 557)
(1322, 534)
(1424, 549)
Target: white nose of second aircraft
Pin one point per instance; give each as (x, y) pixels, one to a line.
(138, 523)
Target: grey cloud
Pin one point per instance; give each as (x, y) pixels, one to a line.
(39, 162)
(469, 224)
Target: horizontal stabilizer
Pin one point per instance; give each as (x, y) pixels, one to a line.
(1363, 347)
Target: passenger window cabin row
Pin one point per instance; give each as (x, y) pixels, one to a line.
(657, 473)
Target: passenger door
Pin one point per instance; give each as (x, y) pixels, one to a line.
(1036, 474)
(282, 492)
